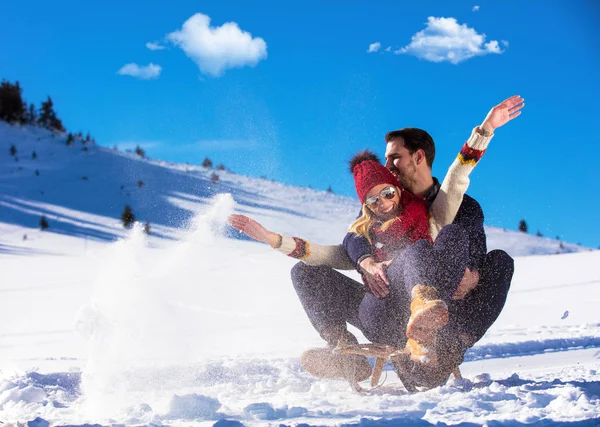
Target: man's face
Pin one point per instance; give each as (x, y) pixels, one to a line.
(401, 163)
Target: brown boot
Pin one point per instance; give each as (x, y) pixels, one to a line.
(325, 363)
(428, 313)
(449, 353)
(422, 351)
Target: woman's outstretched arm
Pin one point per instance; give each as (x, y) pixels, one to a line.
(333, 256)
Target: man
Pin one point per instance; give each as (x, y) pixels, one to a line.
(332, 299)
(482, 293)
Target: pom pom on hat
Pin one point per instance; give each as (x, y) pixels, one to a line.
(361, 157)
(369, 172)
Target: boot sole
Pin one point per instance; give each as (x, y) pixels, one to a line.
(425, 322)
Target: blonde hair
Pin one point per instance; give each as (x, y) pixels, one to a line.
(364, 223)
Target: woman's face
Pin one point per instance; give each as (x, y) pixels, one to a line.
(384, 201)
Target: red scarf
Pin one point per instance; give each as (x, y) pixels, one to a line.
(411, 225)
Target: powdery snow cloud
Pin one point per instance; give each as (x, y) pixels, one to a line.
(146, 72)
(444, 39)
(154, 46)
(216, 49)
(475, 8)
(374, 47)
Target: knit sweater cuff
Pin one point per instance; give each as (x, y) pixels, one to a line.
(474, 148)
(294, 247)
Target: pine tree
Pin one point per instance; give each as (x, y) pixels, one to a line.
(31, 114)
(329, 190)
(207, 163)
(48, 117)
(523, 226)
(127, 217)
(140, 152)
(539, 234)
(13, 150)
(147, 227)
(214, 178)
(44, 223)
(221, 167)
(70, 139)
(12, 107)
(34, 155)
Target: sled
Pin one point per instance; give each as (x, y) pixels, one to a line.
(382, 353)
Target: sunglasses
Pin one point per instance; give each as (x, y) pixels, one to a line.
(386, 193)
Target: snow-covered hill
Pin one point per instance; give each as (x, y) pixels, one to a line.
(82, 190)
(189, 326)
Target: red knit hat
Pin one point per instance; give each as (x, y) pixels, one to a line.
(369, 172)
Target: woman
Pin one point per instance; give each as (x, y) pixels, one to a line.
(396, 225)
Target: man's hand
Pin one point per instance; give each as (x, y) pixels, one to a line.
(503, 113)
(469, 282)
(376, 276)
(253, 229)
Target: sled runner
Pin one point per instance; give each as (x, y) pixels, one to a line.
(382, 353)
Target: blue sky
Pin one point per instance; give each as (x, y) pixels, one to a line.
(290, 91)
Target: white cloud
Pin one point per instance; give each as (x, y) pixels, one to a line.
(216, 49)
(475, 8)
(444, 39)
(374, 47)
(154, 46)
(388, 49)
(146, 72)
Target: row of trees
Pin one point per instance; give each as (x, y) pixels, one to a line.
(525, 229)
(14, 109)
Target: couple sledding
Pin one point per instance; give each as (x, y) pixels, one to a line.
(429, 286)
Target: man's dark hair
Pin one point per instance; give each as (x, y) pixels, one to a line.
(415, 139)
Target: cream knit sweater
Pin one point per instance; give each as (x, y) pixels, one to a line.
(441, 212)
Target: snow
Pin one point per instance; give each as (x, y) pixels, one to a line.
(196, 325)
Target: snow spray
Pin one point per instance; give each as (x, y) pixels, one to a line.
(140, 326)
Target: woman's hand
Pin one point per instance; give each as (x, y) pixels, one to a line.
(253, 229)
(503, 113)
(376, 276)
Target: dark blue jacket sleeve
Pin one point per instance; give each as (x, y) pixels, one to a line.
(357, 247)
(470, 217)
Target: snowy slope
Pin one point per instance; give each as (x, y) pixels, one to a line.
(200, 327)
(82, 193)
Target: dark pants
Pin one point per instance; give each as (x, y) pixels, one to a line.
(481, 307)
(441, 265)
(331, 299)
